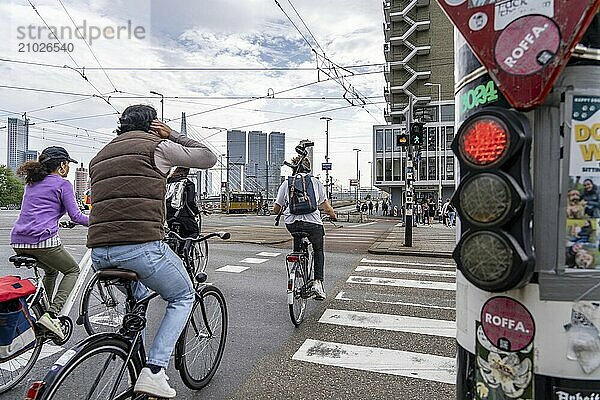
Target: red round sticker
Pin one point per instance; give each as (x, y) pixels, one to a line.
(507, 324)
(527, 45)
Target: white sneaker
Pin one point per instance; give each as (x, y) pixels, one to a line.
(52, 324)
(318, 289)
(154, 384)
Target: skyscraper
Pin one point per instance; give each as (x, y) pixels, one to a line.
(236, 153)
(18, 136)
(31, 155)
(183, 125)
(276, 159)
(81, 182)
(256, 168)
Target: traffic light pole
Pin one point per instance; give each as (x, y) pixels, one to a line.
(408, 198)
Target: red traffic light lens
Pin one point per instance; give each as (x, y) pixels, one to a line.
(485, 142)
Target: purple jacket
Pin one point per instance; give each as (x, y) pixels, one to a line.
(44, 203)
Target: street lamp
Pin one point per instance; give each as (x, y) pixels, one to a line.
(327, 119)
(357, 173)
(162, 104)
(439, 149)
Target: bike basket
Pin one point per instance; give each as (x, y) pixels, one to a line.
(16, 329)
(13, 287)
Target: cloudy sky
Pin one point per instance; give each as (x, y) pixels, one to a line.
(220, 34)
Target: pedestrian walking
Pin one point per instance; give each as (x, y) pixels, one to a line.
(370, 207)
(384, 208)
(425, 208)
(444, 212)
(431, 211)
(377, 207)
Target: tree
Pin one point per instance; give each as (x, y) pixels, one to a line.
(11, 187)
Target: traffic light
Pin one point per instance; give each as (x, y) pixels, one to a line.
(416, 133)
(494, 200)
(402, 140)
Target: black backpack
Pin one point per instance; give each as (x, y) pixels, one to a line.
(301, 194)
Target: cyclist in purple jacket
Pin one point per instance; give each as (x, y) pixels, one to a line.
(48, 196)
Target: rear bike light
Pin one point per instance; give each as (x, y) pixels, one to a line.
(486, 256)
(485, 199)
(34, 390)
(485, 142)
(293, 258)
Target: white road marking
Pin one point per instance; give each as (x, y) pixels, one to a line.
(359, 225)
(408, 283)
(251, 260)
(231, 268)
(366, 260)
(430, 272)
(267, 254)
(399, 224)
(342, 296)
(342, 236)
(389, 322)
(16, 363)
(393, 362)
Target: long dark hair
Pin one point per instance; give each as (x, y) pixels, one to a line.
(136, 118)
(36, 171)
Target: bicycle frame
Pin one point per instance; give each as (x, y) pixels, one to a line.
(302, 263)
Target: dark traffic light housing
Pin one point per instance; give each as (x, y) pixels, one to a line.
(416, 133)
(494, 200)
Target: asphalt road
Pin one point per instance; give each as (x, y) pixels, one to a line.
(386, 330)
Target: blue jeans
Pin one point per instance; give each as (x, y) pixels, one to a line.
(161, 270)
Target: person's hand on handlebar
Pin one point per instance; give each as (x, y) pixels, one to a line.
(67, 224)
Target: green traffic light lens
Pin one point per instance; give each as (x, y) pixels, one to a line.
(486, 256)
(485, 199)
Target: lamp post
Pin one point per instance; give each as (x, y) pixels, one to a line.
(327, 119)
(357, 173)
(439, 149)
(162, 104)
(371, 168)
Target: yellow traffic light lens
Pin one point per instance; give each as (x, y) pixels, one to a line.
(485, 142)
(486, 256)
(485, 199)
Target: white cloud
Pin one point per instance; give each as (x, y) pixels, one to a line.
(231, 33)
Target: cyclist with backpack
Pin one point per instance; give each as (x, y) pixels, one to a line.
(181, 203)
(303, 194)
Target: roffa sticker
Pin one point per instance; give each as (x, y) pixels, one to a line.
(507, 324)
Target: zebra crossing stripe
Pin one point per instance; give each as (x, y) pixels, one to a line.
(16, 363)
(231, 268)
(267, 254)
(385, 361)
(408, 283)
(430, 272)
(342, 296)
(359, 225)
(368, 261)
(389, 322)
(251, 260)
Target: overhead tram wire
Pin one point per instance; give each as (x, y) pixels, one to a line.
(307, 28)
(88, 46)
(71, 57)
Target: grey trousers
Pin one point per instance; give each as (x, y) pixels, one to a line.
(54, 260)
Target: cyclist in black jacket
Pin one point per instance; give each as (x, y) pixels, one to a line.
(184, 210)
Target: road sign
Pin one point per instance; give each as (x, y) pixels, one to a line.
(326, 166)
(353, 182)
(524, 44)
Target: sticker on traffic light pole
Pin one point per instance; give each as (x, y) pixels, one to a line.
(523, 44)
(582, 192)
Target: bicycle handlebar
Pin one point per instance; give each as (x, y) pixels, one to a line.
(220, 235)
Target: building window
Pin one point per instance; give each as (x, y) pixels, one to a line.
(379, 140)
(379, 169)
(395, 137)
(396, 169)
(431, 139)
(388, 140)
(431, 170)
(422, 169)
(449, 136)
(448, 112)
(450, 168)
(388, 168)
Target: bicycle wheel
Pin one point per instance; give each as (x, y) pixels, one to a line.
(14, 370)
(103, 306)
(199, 256)
(298, 304)
(201, 347)
(97, 364)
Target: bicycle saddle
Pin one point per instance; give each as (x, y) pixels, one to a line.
(23, 260)
(300, 234)
(117, 273)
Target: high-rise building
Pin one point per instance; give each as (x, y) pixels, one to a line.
(256, 168)
(276, 159)
(18, 137)
(419, 54)
(31, 155)
(183, 125)
(81, 182)
(236, 147)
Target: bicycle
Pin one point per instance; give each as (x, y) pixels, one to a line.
(13, 370)
(103, 307)
(299, 267)
(108, 357)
